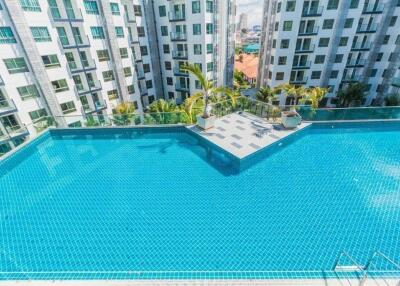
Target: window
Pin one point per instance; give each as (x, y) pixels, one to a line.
(333, 4)
(196, 29)
(328, 24)
(168, 66)
(276, 26)
(210, 6)
(170, 95)
(7, 36)
(386, 40)
(210, 66)
(119, 31)
(36, 115)
(169, 81)
(112, 94)
(97, 32)
(16, 65)
(59, 85)
(209, 28)
(338, 58)
(127, 71)
(393, 21)
(285, 44)
(334, 74)
(51, 61)
(166, 49)
(197, 49)
(103, 55)
(63, 36)
(279, 76)
(143, 50)
(114, 8)
(68, 107)
(287, 25)
(108, 75)
(282, 60)
(319, 59)
(149, 84)
(162, 11)
(30, 5)
(195, 7)
(137, 9)
(343, 41)
(28, 91)
(210, 48)
(164, 31)
(379, 57)
(123, 52)
(373, 72)
(197, 84)
(40, 34)
(316, 75)
(323, 42)
(348, 23)
(279, 7)
(91, 7)
(354, 4)
(290, 6)
(131, 89)
(146, 68)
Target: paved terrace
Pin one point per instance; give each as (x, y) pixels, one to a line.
(243, 134)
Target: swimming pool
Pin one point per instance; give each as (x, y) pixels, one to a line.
(158, 203)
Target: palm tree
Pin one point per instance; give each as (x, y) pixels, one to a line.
(314, 95)
(208, 89)
(239, 82)
(162, 105)
(123, 113)
(296, 92)
(351, 94)
(265, 94)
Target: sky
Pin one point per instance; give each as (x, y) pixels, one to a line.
(253, 8)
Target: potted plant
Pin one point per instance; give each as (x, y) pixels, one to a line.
(205, 120)
(290, 119)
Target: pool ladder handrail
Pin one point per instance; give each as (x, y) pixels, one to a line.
(359, 267)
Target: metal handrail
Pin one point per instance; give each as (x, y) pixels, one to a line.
(378, 253)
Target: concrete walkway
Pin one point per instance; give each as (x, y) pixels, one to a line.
(242, 134)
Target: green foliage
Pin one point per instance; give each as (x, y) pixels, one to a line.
(161, 105)
(239, 82)
(392, 100)
(124, 113)
(266, 94)
(351, 95)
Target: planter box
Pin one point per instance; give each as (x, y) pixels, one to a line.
(289, 120)
(206, 123)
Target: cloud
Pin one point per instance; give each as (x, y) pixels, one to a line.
(253, 8)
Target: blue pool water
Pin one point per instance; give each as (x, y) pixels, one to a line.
(127, 204)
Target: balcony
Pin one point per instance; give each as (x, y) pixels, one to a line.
(305, 49)
(178, 36)
(313, 11)
(182, 87)
(179, 72)
(309, 31)
(177, 16)
(92, 87)
(1, 81)
(140, 74)
(72, 15)
(7, 107)
(13, 132)
(179, 55)
(360, 46)
(370, 28)
(355, 63)
(301, 65)
(373, 8)
(351, 78)
(88, 65)
(98, 105)
(299, 80)
(396, 82)
(79, 42)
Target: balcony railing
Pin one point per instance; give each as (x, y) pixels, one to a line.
(373, 8)
(355, 63)
(180, 55)
(309, 31)
(302, 65)
(87, 65)
(177, 16)
(370, 28)
(313, 11)
(79, 41)
(360, 46)
(351, 78)
(1, 81)
(179, 72)
(181, 87)
(178, 36)
(299, 80)
(305, 49)
(396, 82)
(82, 90)
(72, 15)
(7, 107)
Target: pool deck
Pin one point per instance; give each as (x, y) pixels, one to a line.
(236, 133)
(303, 282)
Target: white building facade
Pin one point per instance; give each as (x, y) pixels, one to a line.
(75, 59)
(331, 43)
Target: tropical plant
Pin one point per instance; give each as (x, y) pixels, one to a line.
(208, 90)
(162, 105)
(265, 94)
(314, 95)
(297, 92)
(392, 100)
(124, 113)
(239, 81)
(352, 94)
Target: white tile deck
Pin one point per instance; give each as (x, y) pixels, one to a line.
(236, 133)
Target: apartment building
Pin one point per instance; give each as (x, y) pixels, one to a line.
(331, 43)
(75, 59)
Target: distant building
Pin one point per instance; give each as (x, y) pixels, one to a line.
(248, 65)
(257, 28)
(242, 22)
